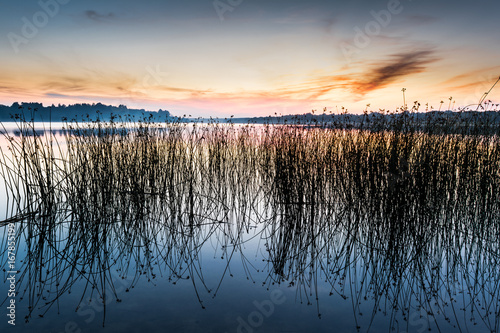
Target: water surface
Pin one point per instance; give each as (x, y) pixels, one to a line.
(251, 229)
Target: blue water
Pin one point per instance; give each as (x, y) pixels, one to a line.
(233, 276)
(211, 294)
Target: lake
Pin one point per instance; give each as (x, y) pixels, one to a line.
(220, 228)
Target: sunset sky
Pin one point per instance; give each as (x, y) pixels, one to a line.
(249, 57)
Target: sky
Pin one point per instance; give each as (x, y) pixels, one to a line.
(250, 57)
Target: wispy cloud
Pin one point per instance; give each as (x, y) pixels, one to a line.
(377, 76)
(96, 16)
(478, 77)
(399, 66)
(315, 88)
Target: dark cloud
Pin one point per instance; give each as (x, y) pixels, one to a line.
(420, 19)
(329, 23)
(399, 66)
(93, 15)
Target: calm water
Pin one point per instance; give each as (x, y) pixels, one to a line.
(255, 257)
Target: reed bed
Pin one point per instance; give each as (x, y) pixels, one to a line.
(406, 220)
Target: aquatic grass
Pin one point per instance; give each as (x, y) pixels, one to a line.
(393, 216)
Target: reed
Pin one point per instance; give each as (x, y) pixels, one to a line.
(391, 212)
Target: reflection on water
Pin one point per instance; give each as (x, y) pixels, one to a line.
(399, 230)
